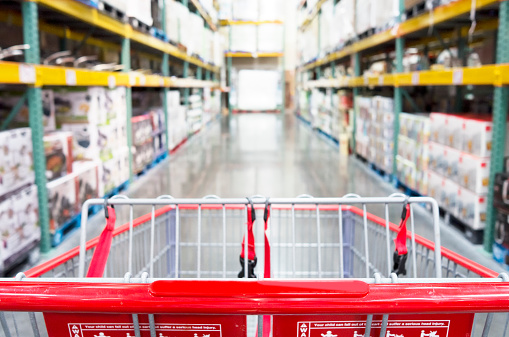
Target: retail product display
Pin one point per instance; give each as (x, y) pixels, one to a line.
(62, 200)
(270, 38)
(143, 149)
(88, 179)
(177, 123)
(16, 163)
(9, 99)
(374, 133)
(243, 38)
(195, 112)
(19, 225)
(58, 152)
(413, 153)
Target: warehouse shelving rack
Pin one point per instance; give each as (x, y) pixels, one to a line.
(115, 35)
(496, 75)
(230, 54)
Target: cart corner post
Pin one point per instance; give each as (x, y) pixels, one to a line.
(126, 62)
(500, 105)
(34, 97)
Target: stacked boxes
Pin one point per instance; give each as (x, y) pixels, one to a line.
(58, 153)
(195, 112)
(63, 201)
(158, 131)
(19, 225)
(19, 222)
(374, 140)
(96, 117)
(16, 164)
(143, 150)
(413, 157)
(459, 154)
(9, 99)
(177, 123)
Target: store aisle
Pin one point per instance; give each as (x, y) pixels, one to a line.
(275, 156)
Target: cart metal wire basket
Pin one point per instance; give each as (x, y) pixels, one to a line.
(315, 267)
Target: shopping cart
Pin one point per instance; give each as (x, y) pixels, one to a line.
(318, 266)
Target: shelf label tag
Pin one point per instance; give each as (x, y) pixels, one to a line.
(112, 82)
(366, 80)
(415, 78)
(457, 76)
(381, 80)
(142, 80)
(70, 77)
(26, 73)
(161, 82)
(132, 79)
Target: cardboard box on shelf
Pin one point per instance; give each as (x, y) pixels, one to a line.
(58, 152)
(88, 180)
(9, 99)
(245, 10)
(502, 228)
(19, 225)
(270, 38)
(243, 38)
(471, 208)
(16, 163)
(81, 105)
(62, 200)
(142, 129)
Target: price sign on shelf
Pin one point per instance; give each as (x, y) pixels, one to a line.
(142, 80)
(26, 73)
(132, 79)
(457, 76)
(161, 82)
(381, 80)
(366, 80)
(70, 77)
(415, 78)
(112, 82)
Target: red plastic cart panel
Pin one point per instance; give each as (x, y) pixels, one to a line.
(115, 325)
(448, 325)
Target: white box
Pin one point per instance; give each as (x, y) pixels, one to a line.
(270, 38)
(88, 180)
(270, 10)
(62, 200)
(471, 208)
(141, 10)
(246, 10)
(243, 38)
(81, 105)
(16, 163)
(19, 225)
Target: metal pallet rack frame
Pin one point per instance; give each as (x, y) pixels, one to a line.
(496, 75)
(35, 76)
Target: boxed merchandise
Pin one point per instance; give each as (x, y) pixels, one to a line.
(81, 105)
(16, 163)
(243, 38)
(443, 190)
(58, 152)
(62, 200)
(501, 191)
(92, 142)
(9, 99)
(19, 225)
(270, 10)
(88, 180)
(270, 38)
(140, 10)
(502, 228)
(363, 17)
(109, 176)
(115, 105)
(406, 172)
(142, 156)
(466, 170)
(142, 129)
(471, 208)
(196, 26)
(246, 10)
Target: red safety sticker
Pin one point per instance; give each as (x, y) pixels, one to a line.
(121, 325)
(450, 325)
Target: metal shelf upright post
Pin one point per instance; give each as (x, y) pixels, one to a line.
(357, 72)
(165, 69)
(229, 61)
(398, 95)
(125, 58)
(500, 105)
(34, 97)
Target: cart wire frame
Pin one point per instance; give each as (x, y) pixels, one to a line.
(360, 282)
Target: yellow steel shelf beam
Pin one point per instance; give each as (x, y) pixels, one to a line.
(312, 14)
(95, 18)
(204, 14)
(492, 75)
(438, 15)
(240, 22)
(41, 75)
(253, 55)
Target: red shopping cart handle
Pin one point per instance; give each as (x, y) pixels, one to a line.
(265, 288)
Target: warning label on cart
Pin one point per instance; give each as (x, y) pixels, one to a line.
(456, 325)
(91, 325)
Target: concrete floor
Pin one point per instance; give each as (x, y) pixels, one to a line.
(274, 156)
